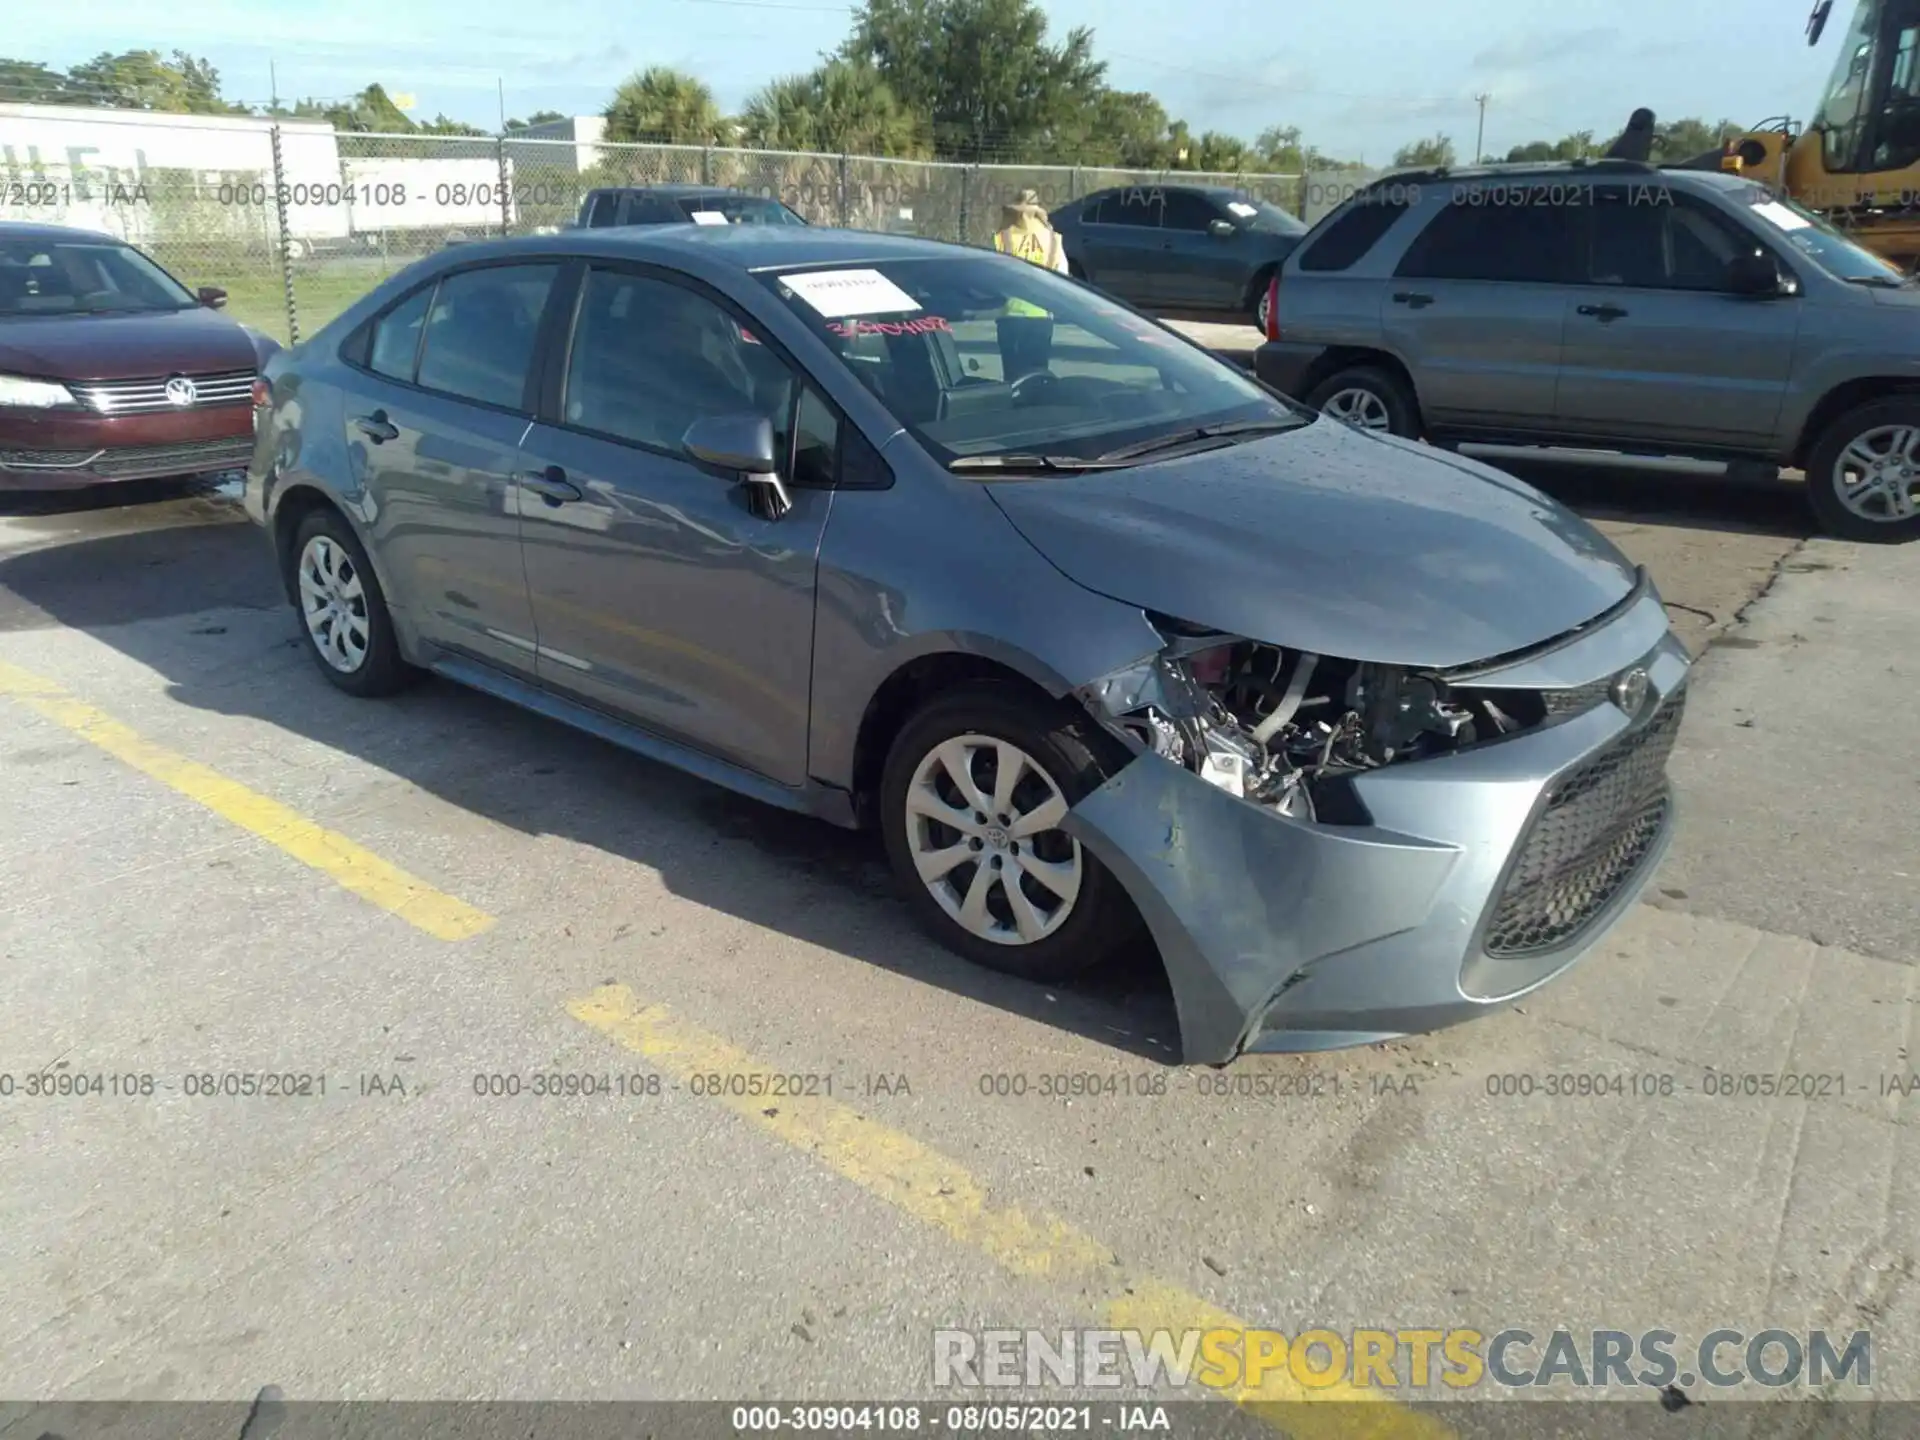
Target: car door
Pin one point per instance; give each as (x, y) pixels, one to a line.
(434, 415)
(1477, 306)
(1198, 267)
(1659, 347)
(661, 592)
(1121, 240)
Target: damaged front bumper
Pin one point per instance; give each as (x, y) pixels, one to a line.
(1471, 878)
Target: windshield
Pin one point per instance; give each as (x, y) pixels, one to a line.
(983, 357)
(1816, 239)
(50, 277)
(1842, 111)
(737, 210)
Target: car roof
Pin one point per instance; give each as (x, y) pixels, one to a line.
(742, 247)
(34, 230)
(675, 190)
(1220, 191)
(1560, 170)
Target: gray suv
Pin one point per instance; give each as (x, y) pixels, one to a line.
(1611, 304)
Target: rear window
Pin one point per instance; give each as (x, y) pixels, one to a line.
(1352, 232)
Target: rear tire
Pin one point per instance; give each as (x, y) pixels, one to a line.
(1038, 929)
(1370, 397)
(342, 610)
(1864, 470)
(1262, 292)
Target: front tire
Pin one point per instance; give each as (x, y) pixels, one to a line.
(343, 613)
(971, 798)
(1371, 398)
(1863, 477)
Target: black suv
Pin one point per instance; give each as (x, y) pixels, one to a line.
(680, 205)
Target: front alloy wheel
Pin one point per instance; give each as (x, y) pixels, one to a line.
(983, 828)
(1863, 477)
(1359, 406)
(333, 603)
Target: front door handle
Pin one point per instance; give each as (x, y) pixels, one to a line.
(1412, 299)
(1602, 313)
(376, 427)
(551, 485)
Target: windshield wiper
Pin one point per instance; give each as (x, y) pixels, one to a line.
(1029, 462)
(1202, 432)
(1880, 282)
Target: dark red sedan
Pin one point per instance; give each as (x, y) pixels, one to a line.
(110, 369)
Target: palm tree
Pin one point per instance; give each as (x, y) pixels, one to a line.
(843, 107)
(664, 106)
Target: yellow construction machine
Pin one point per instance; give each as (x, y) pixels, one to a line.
(1858, 160)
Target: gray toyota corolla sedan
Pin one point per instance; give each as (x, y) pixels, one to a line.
(1096, 631)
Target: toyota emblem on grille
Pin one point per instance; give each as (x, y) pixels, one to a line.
(1629, 690)
(181, 391)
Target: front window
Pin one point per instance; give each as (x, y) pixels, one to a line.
(981, 358)
(1251, 213)
(85, 277)
(737, 210)
(1816, 239)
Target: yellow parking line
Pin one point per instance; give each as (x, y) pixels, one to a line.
(937, 1191)
(333, 855)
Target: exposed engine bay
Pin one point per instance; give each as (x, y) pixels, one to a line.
(1285, 727)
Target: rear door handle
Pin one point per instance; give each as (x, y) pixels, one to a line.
(376, 427)
(551, 485)
(1602, 313)
(1412, 299)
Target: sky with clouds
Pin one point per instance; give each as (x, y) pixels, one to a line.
(1358, 78)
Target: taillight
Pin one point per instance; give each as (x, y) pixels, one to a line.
(1273, 307)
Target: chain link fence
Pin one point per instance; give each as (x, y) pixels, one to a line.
(296, 221)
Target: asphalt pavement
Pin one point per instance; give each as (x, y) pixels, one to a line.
(213, 865)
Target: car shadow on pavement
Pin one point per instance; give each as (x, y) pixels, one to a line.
(148, 594)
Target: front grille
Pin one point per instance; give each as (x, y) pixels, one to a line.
(149, 397)
(185, 459)
(1578, 700)
(1600, 823)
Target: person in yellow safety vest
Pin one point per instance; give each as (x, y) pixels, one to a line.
(1025, 330)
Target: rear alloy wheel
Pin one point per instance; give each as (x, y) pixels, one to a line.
(342, 609)
(1263, 304)
(1370, 398)
(1863, 478)
(975, 789)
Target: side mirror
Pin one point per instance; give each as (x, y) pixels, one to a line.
(1755, 275)
(1222, 229)
(740, 447)
(212, 296)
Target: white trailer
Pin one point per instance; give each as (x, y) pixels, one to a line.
(391, 198)
(137, 174)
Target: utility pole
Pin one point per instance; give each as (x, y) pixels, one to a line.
(1480, 133)
(502, 85)
(273, 84)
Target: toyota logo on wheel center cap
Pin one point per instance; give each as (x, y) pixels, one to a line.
(182, 391)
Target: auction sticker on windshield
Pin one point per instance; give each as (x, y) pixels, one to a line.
(1780, 215)
(839, 293)
(708, 217)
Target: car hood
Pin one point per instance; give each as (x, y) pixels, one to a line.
(124, 347)
(1330, 540)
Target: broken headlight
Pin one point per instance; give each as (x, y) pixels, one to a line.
(1284, 728)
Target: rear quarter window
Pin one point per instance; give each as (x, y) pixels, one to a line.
(1349, 234)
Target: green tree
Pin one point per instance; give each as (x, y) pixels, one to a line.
(1221, 154)
(981, 72)
(842, 106)
(142, 80)
(1684, 139)
(442, 125)
(1426, 154)
(665, 106)
(28, 82)
(1578, 146)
